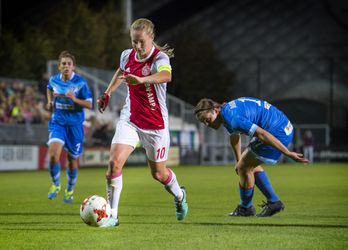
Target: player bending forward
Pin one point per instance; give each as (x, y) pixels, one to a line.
(272, 132)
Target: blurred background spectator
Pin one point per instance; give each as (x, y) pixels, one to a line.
(308, 145)
(22, 103)
(98, 133)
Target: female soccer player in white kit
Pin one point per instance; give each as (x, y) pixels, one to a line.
(146, 70)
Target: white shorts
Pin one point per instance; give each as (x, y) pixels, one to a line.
(155, 142)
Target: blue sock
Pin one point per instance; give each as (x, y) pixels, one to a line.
(246, 196)
(55, 173)
(71, 176)
(265, 186)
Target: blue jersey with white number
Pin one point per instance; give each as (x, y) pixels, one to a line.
(65, 111)
(245, 114)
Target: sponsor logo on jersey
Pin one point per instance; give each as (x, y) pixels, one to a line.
(64, 106)
(288, 129)
(267, 105)
(150, 96)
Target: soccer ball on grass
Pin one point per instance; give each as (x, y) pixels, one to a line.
(95, 211)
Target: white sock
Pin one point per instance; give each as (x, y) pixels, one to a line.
(113, 189)
(172, 186)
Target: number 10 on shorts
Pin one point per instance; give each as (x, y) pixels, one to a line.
(160, 153)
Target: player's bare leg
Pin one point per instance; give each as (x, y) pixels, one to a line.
(167, 177)
(119, 154)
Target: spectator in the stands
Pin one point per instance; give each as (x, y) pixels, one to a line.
(22, 103)
(308, 145)
(99, 132)
(4, 117)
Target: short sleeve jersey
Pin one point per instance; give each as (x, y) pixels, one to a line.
(65, 111)
(145, 103)
(245, 114)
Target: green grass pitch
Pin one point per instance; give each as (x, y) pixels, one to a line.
(315, 217)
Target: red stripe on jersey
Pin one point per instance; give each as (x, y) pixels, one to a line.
(145, 111)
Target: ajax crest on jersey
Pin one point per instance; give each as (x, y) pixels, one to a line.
(146, 70)
(95, 211)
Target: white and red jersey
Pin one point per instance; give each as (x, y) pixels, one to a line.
(145, 103)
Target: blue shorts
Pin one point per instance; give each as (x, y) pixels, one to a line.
(71, 137)
(267, 153)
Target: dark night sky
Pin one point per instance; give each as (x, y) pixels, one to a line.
(15, 13)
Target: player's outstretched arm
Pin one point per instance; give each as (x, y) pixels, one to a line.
(297, 157)
(115, 82)
(269, 139)
(103, 100)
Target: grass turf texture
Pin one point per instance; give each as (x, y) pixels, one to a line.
(315, 217)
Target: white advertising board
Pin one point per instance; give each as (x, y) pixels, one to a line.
(17, 157)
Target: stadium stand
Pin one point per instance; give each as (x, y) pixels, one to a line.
(292, 53)
(21, 103)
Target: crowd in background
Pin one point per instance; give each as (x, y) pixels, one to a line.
(22, 103)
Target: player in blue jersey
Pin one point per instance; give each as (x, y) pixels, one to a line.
(67, 96)
(271, 133)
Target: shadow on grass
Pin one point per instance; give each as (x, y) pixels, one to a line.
(77, 214)
(323, 216)
(172, 224)
(268, 225)
(37, 229)
(232, 224)
(38, 223)
(241, 224)
(38, 213)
